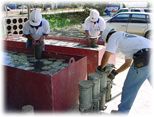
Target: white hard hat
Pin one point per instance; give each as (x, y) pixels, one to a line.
(35, 18)
(106, 32)
(94, 15)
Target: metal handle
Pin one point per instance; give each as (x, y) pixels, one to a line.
(72, 60)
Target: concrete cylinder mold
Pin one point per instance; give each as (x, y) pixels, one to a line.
(28, 108)
(14, 25)
(108, 90)
(103, 85)
(85, 97)
(94, 77)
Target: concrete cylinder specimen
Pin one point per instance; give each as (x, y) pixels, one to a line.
(103, 85)
(28, 108)
(94, 77)
(85, 97)
(108, 90)
(103, 81)
(102, 101)
(14, 25)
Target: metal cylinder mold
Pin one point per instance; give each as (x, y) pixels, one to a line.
(14, 25)
(85, 97)
(95, 90)
(103, 85)
(28, 108)
(108, 90)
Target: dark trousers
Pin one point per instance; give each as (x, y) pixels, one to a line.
(38, 48)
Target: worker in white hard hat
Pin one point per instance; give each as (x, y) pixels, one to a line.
(36, 29)
(93, 26)
(137, 56)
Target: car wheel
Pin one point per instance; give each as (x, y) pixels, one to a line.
(147, 35)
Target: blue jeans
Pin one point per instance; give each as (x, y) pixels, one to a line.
(132, 84)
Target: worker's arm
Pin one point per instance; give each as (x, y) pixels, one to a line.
(123, 67)
(43, 37)
(105, 58)
(28, 36)
(100, 33)
(87, 33)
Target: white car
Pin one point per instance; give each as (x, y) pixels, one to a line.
(132, 22)
(134, 10)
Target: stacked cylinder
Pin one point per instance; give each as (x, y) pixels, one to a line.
(85, 98)
(103, 85)
(14, 25)
(108, 90)
(95, 91)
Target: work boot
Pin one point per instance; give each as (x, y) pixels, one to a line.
(114, 112)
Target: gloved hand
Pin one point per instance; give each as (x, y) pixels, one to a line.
(100, 38)
(112, 74)
(99, 68)
(36, 42)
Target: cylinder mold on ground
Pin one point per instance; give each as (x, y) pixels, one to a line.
(103, 85)
(27, 108)
(108, 91)
(85, 97)
(94, 77)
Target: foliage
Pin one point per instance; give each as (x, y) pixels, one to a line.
(99, 7)
(62, 20)
(58, 21)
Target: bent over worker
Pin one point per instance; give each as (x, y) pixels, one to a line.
(137, 56)
(36, 30)
(93, 26)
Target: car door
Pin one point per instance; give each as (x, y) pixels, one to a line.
(138, 24)
(119, 22)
